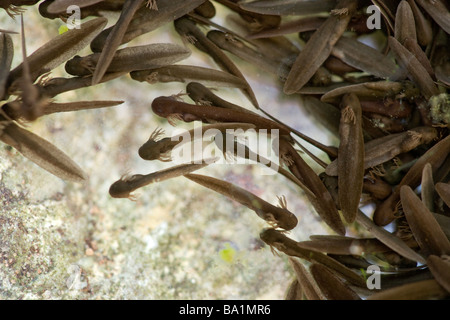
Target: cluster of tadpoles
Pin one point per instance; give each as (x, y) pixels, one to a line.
(389, 108)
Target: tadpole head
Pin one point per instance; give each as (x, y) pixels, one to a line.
(288, 220)
(153, 150)
(119, 189)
